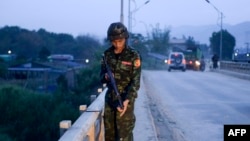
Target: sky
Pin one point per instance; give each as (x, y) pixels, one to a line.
(92, 17)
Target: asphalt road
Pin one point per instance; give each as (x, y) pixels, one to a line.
(194, 106)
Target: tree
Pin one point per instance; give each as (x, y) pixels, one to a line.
(87, 46)
(43, 54)
(29, 116)
(138, 42)
(228, 43)
(30, 45)
(159, 40)
(191, 43)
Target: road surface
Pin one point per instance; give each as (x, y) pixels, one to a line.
(194, 106)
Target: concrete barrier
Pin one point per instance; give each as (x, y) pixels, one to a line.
(235, 69)
(89, 126)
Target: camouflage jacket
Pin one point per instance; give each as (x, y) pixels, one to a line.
(126, 68)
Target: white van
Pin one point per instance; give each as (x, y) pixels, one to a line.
(176, 61)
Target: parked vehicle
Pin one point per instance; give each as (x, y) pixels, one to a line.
(176, 61)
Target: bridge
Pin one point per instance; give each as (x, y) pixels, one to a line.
(89, 126)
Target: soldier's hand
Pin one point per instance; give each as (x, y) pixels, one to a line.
(125, 106)
(107, 76)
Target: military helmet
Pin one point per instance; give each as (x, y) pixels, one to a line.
(117, 30)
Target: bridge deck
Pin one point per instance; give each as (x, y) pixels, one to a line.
(144, 128)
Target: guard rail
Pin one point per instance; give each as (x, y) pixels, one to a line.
(89, 126)
(239, 67)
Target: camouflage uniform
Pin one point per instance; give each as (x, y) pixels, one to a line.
(126, 68)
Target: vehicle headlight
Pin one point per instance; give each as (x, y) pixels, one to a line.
(197, 63)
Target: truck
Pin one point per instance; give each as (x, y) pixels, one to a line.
(194, 59)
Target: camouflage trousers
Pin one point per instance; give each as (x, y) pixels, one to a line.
(119, 128)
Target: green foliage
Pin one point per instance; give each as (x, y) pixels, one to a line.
(139, 43)
(191, 43)
(41, 43)
(4, 137)
(3, 68)
(87, 81)
(62, 84)
(159, 40)
(228, 43)
(27, 115)
(43, 54)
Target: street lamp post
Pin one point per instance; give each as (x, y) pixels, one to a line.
(121, 16)
(130, 14)
(221, 18)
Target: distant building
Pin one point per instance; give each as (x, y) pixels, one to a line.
(61, 57)
(44, 75)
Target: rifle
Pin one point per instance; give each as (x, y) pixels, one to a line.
(113, 83)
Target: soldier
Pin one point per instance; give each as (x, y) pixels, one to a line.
(125, 64)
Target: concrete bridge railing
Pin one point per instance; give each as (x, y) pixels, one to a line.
(243, 68)
(89, 126)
